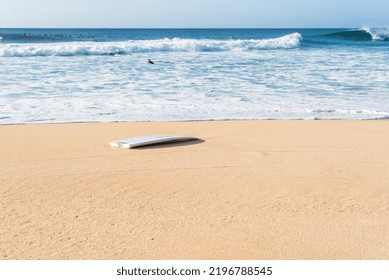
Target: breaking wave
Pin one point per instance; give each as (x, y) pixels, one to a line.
(363, 34)
(138, 46)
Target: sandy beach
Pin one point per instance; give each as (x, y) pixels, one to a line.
(250, 190)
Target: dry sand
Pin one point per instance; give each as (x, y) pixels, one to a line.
(251, 190)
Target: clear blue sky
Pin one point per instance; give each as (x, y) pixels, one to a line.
(193, 13)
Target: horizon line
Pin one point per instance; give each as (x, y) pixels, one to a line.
(181, 27)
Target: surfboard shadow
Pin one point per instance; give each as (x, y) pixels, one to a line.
(169, 145)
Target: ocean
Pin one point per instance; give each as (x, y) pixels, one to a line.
(102, 75)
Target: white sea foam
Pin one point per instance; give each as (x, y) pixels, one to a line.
(374, 35)
(140, 46)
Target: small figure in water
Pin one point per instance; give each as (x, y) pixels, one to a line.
(149, 61)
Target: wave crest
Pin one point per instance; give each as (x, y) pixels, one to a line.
(139, 46)
(378, 34)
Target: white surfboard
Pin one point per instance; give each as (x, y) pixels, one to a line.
(149, 140)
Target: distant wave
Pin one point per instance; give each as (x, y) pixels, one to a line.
(363, 34)
(43, 38)
(138, 46)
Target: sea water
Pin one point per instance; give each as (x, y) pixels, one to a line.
(74, 75)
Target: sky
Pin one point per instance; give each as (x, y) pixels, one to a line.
(193, 13)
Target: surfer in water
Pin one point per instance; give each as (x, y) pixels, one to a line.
(149, 61)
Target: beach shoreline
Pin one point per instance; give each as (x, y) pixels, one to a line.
(267, 189)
